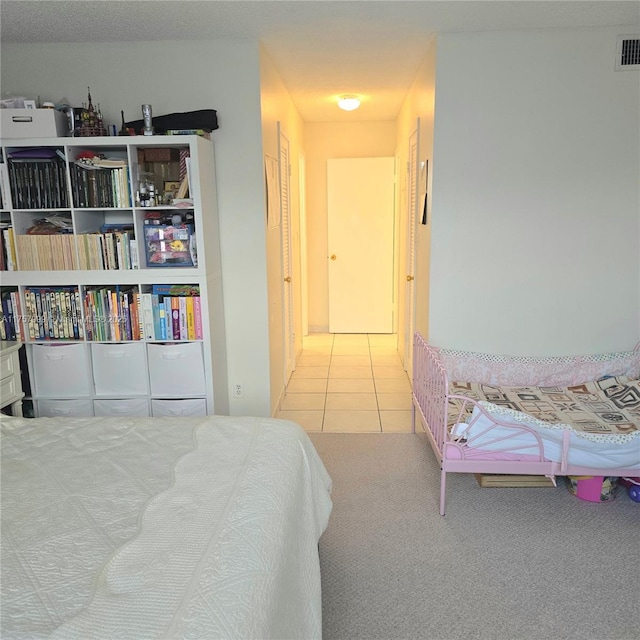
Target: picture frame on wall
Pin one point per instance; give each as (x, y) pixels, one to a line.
(425, 183)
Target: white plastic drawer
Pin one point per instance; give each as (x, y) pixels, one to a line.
(128, 407)
(61, 370)
(64, 408)
(176, 369)
(190, 407)
(9, 365)
(119, 369)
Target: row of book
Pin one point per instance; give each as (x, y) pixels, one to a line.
(11, 327)
(55, 251)
(176, 312)
(169, 312)
(38, 183)
(48, 313)
(113, 314)
(109, 314)
(108, 250)
(100, 187)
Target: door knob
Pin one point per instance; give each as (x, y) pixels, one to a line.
(287, 279)
(409, 278)
(333, 257)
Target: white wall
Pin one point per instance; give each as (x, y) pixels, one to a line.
(184, 76)
(536, 207)
(419, 103)
(277, 107)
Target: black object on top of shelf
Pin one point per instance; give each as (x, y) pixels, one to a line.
(206, 119)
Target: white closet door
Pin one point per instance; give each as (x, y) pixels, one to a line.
(412, 217)
(284, 169)
(360, 199)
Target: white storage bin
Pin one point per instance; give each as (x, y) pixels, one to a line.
(176, 369)
(129, 407)
(119, 369)
(61, 370)
(189, 407)
(33, 123)
(64, 408)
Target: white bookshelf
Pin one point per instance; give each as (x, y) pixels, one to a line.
(83, 370)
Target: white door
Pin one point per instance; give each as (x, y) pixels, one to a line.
(360, 199)
(412, 217)
(284, 170)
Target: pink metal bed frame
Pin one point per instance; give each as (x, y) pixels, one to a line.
(430, 402)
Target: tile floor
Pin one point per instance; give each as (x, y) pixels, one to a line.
(349, 383)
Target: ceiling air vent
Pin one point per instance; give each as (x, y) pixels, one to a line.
(628, 53)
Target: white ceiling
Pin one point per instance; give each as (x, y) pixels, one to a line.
(321, 48)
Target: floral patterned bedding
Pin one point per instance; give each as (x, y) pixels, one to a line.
(607, 410)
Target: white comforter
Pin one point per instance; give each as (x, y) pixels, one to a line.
(160, 528)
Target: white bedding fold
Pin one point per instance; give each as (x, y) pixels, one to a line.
(229, 550)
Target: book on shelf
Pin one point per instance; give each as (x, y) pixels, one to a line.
(191, 321)
(182, 308)
(3, 254)
(155, 308)
(5, 188)
(19, 319)
(176, 289)
(9, 249)
(147, 316)
(189, 132)
(175, 318)
(197, 314)
(9, 332)
(133, 249)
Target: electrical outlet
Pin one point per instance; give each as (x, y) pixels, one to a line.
(238, 391)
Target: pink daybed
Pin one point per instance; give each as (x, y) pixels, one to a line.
(471, 408)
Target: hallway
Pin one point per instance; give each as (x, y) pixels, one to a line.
(349, 383)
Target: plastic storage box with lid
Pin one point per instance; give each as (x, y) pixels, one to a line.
(33, 123)
(169, 245)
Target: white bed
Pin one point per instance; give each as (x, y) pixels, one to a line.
(160, 528)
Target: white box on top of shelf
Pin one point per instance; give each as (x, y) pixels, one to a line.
(33, 123)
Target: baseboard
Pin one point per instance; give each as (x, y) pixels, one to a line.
(316, 329)
(276, 411)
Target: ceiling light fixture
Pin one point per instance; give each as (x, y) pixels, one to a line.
(348, 102)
